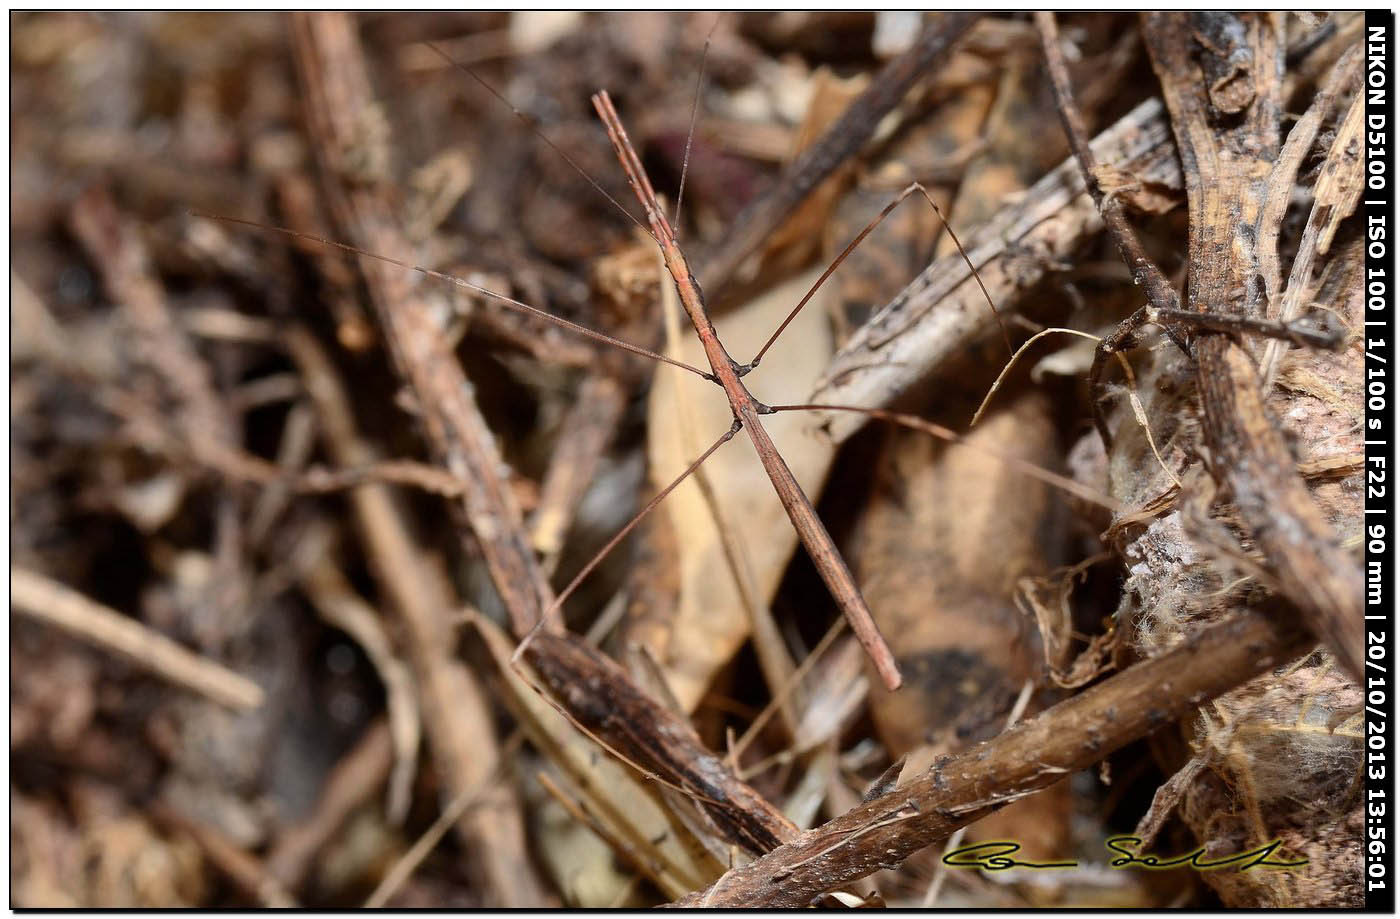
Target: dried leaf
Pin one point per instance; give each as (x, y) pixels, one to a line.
(685, 415)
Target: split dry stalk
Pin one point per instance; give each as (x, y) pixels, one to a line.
(599, 696)
(686, 851)
(1228, 137)
(1285, 172)
(1335, 194)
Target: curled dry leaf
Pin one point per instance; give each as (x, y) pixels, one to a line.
(1047, 600)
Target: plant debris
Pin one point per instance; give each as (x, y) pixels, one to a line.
(295, 531)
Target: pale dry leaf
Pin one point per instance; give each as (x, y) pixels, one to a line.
(895, 32)
(711, 622)
(796, 239)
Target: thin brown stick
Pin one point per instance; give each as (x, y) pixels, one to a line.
(47, 601)
(1146, 274)
(1289, 331)
(356, 778)
(244, 869)
(341, 606)
(116, 247)
(781, 694)
(576, 809)
(1034, 754)
(1161, 295)
(820, 546)
(584, 435)
(773, 657)
(403, 869)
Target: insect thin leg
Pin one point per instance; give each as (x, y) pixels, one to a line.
(551, 614)
(912, 189)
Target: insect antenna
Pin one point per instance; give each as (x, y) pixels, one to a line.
(508, 302)
(690, 134)
(850, 247)
(530, 123)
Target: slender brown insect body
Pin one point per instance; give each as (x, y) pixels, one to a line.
(747, 409)
(724, 371)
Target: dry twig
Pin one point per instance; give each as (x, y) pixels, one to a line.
(942, 311)
(453, 705)
(840, 141)
(1036, 753)
(1226, 164)
(50, 602)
